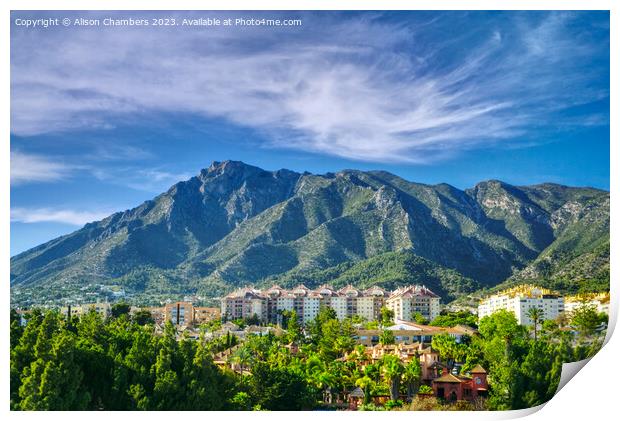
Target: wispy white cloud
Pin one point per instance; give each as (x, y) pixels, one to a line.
(360, 88)
(28, 168)
(151, 180)
(65, 216)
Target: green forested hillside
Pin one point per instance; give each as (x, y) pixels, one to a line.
(390, 271)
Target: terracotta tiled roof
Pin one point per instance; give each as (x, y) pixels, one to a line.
(478, 370)
(326, 290)
(413, 291)
(246, 292)
(375, 291)
(449, 378)
(349, 290)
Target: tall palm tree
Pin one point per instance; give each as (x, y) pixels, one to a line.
(392, 370)
(242, 358)
(535, 314)
(411, 376)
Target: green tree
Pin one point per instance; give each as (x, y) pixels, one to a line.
(392, 369)
(366, 384)
(451, 319)
(387, 317)
(143, 317)
(449, 349)
(535, 314)
(293, 327)
(242, 402)
(387, 337)
(419, 318)
(412, 374)
(585, 319)
(53, 380)
(504, 343)
(120, 309)
(279, 388)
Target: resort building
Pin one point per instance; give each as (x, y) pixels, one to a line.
(205, 314)
(103, 309)
(456, 387)
(407, 301)
(408, 333)
(349, 301)
(158, 314)
(598, 301)
(369, 304)
(520, 300)
(244, 303)
(180, 313)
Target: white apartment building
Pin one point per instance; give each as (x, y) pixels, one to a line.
(407, 301)
(520, 299)
(600, 302)
(369, 304)
(346, 302)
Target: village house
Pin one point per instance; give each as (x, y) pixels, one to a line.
(455, 387)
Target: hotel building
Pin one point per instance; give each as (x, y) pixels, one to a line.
(520, 299)
(349, 301)
(599, 301)
(407, 301)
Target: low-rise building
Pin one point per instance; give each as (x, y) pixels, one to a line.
(205, 314)
(409, 332)
(520, 299)
(103, 309)
(455, 387)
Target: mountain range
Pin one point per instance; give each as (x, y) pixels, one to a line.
(235, 224)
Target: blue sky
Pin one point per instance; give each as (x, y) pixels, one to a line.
(103, 118)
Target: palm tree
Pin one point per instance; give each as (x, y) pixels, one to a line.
(241, 357)
(411, 376)
(535, 314)
(392, 371)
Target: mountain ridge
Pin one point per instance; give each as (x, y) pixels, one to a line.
(235, 223)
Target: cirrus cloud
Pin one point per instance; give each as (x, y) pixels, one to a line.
(64, 216)
(363, 86)
(27, 168)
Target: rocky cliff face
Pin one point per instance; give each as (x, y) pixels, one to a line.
(234, 224)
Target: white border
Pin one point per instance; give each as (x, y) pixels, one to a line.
(590, 395)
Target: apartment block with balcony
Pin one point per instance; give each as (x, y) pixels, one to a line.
(103, 309)
(405, 302)
(520, 299)
(244, 303)
(598, 301)
(348, 301)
